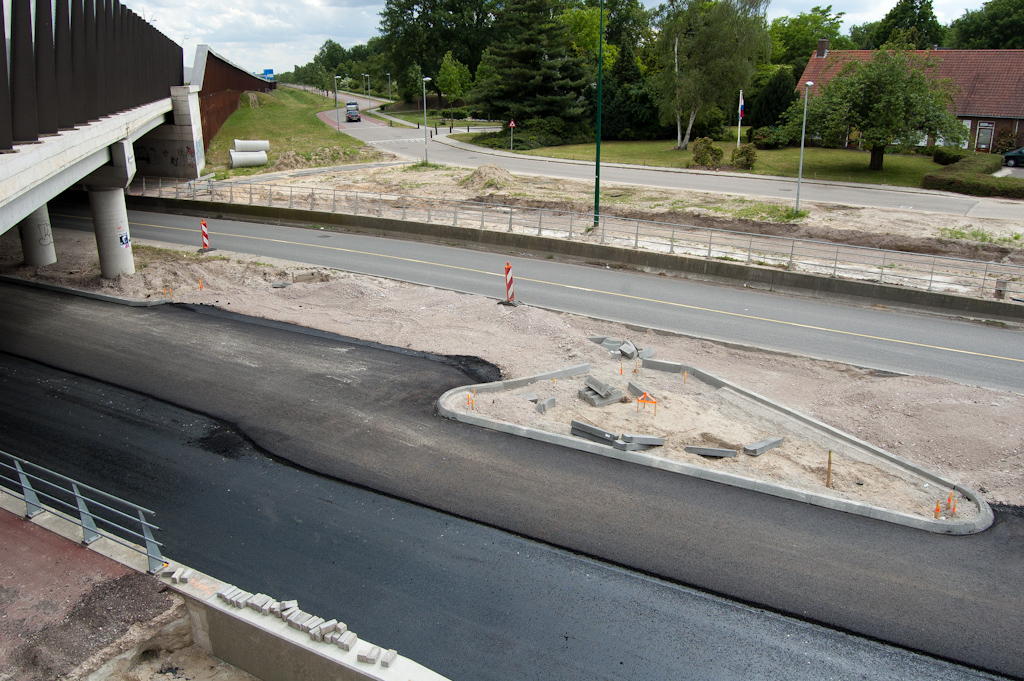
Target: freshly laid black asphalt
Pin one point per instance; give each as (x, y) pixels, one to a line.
(365, 416)
(467, 600)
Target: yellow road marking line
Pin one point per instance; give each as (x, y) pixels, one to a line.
(591, 290)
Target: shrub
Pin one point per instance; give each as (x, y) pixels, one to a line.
(744, 157)
(973, 175)
(535, 133)
(772, 137)
(705, 153)
(1006, 141)
(944, 156)
(455, 114)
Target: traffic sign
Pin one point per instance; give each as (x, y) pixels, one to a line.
(511, 124)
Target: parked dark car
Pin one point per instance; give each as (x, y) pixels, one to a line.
(1014, 158)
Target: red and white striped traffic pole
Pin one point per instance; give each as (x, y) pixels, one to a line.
(206, 238)
(510, 292)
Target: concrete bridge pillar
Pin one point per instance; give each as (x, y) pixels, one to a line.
(37, 239)
(110, 222)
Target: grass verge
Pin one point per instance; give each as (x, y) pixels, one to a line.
(845, 165)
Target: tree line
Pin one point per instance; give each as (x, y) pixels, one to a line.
(674, 71)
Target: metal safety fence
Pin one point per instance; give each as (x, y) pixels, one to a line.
(98, 514)
(921, 271)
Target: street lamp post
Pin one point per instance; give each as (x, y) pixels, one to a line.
(366, 89)
(389, 86)
(425, 81)
(337, 116)
(803, 131)
(597, 158)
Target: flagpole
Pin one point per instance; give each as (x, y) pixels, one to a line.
(739, 130)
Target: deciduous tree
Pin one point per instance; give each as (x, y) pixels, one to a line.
(913, 20)
(999, 24)
(894, 97)
(708, 52)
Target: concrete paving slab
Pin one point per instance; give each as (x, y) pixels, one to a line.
(712, 451)
(761, 446)
(529, 397)
(595, 400)
(598, 386)
(661, 365)
(606, 435)
(651, 440)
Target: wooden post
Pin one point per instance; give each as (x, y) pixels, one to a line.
(828, 474)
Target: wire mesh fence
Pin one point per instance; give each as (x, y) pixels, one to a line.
(922, 271)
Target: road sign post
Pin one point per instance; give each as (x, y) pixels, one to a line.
(511, 130)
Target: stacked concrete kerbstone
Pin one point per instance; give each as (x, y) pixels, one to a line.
(330, 632)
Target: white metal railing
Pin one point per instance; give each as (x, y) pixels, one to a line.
(913, 270)
(98, 514)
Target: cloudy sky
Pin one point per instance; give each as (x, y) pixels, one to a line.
(277, 34)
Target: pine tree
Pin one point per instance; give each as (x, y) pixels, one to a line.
(539, 80)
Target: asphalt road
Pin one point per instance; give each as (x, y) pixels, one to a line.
(469, 601)
(365, 416)
(870, 336)
(408, 142)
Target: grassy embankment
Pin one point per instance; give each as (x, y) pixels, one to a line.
(287, 118)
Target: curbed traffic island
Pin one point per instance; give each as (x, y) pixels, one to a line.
(683, 420)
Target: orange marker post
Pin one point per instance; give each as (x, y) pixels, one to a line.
(937, 509)
(647, 399)
(200, 283)
(949, 499)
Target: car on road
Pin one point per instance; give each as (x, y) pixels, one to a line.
(1014, 158)
(352, 115)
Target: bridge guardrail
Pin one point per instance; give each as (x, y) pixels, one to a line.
(98, 514)
(922, 271)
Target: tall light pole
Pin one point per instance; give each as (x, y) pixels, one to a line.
(366, 89)
(597, 160)
(337, 116)
(389, 86)
(425, 81)
(803, 131)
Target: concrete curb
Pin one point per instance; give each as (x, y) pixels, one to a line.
(977, 524)
(84, 294)
(698, 269)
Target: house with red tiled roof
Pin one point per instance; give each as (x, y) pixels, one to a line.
(988, 86)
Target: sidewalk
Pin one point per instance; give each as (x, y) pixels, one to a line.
(72, 612)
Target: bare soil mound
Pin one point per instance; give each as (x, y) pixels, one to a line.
(488, 176)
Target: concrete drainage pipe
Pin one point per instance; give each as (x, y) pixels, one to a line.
(252, 145)
(246, 159)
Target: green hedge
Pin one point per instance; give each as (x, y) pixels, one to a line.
(945, 156)
(973, 175)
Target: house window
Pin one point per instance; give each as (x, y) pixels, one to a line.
(986, 130)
